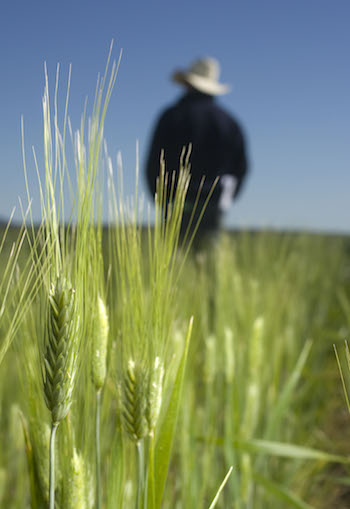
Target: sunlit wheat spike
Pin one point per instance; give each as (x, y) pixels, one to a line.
(60, 358)
(100, 339)
(134, 402)
(229, 355)
(76, 483)
(155, 394)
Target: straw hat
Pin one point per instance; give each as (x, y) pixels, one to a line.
(203, 75)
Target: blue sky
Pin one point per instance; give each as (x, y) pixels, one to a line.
(288, 62)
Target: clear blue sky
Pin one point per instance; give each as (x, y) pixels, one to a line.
(288, 62)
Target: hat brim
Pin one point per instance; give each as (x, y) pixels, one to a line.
(200, 83)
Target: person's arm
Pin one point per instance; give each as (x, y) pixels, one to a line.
(240, 163)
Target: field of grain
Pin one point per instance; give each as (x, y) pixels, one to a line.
(140, 372)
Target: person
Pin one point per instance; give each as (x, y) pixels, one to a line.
(218, 148)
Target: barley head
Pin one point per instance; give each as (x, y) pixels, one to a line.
(76, 486)
(256, 347)
(210, 360)
(61, 352)
(154, 400)
(100, 339)
(229, 355)
(134, 401)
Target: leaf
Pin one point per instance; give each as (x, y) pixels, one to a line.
(342, 376)
(36, 495)
(288, 390)
(222, 485)
(116, 477)
(281, 449)
(165, 437)
(281, 492)
(285, 450)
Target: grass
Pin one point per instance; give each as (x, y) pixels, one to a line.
(264, 409)
(179, 378)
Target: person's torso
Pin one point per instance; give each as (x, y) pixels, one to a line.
(197, 120)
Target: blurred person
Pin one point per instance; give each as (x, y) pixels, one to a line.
(217, 141)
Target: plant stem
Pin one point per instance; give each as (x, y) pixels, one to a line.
(150, 496)
(52, 466)
(141, 474)
(98, 452)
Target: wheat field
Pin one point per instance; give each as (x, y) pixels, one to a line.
(140, 371)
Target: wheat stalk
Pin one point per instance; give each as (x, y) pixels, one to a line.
(98, 375)
(134, 416)
(60, 362)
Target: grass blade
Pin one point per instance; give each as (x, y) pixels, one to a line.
(165, 438)
(285, 450)
(284, 400)
(342, 378)
(281, 492)
(216, 498)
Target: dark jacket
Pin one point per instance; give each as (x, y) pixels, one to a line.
(218, 146)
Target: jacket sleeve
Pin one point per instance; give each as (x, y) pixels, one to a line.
(240, 162)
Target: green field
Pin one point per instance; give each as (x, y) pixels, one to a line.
(139, 372)
(261, 378)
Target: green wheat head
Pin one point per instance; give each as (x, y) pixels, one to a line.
(142, 398)
(134, 402)
(60, 358)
